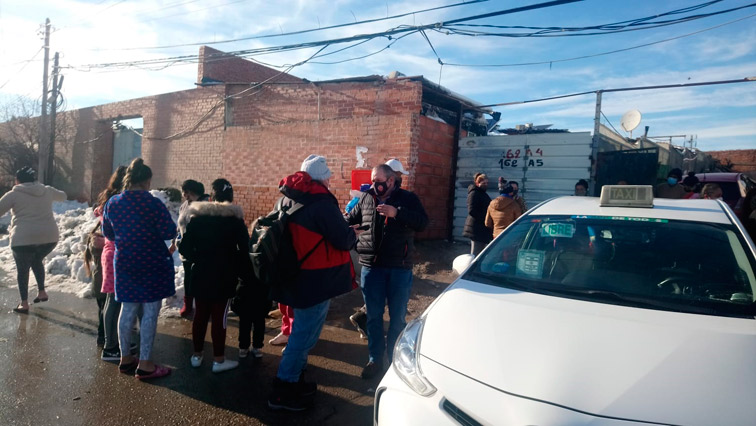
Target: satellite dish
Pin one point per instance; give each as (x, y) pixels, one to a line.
(630, 120)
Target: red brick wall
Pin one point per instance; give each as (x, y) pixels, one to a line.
(220, 66)
(433, 150)
(280, 103)
(743, 160)
(256, 158)
(85, 154)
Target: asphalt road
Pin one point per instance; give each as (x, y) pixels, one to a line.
(51, 374)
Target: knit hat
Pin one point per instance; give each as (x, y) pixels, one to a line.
(316, 167)
(502, 184)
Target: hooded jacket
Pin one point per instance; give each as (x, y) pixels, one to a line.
(32, 220)
(214, 247)
(328, 271)
(501, 213)
(477, 205)
(388, 242)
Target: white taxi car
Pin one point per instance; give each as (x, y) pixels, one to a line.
(585, 311)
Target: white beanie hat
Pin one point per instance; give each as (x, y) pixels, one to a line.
(316, 167)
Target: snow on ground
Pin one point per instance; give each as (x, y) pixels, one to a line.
(64, 267)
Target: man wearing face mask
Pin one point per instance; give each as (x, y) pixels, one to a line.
(389, 216)
(671, 188)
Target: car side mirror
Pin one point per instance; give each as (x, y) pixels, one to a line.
(461, 263)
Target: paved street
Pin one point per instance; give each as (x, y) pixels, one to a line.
(51, 372)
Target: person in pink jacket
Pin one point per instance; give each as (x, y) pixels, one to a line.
(33, 231)
(112, 309)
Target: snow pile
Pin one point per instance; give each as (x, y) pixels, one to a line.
(65, 265)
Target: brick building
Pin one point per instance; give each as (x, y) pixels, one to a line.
(742, 160)
(253, 125)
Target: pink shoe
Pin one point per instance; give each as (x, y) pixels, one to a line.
(159, 371)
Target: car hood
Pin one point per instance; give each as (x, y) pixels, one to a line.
(601, 359)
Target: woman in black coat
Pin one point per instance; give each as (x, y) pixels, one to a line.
(477, 205)
(215, 247)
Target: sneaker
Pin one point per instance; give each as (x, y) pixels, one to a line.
(111, 354)
(371, 370)
(359, 320)
(279, 340)
(219, 367)
(286, 396)
(243, 353)
(196, 360)
(257, 352)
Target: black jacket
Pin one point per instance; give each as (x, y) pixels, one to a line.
(215, 246)
(319, 229)
(388, 242)
(475, 226)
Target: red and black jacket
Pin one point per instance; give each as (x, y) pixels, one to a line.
(328, 271)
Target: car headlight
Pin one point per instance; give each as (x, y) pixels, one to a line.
(406, 353)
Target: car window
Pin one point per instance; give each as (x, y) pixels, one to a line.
(659, 264)
(730, 191)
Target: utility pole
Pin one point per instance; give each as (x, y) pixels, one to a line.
(43, 132)
(53, 115)
(595, 143)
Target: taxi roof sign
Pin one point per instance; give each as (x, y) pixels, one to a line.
(627, 196)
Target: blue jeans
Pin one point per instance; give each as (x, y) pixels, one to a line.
(380, 287)
(305, 332)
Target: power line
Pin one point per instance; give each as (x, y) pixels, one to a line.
(389, 34)
(366, 21)
(521, 64)
(624, 89)
(575, 31)
(26, 63)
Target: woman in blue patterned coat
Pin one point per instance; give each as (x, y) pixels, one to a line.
(140, 224)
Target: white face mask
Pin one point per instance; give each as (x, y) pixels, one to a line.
(719, 198)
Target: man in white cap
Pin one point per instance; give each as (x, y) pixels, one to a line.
(359, 318)
(322, 241)
(390, 217)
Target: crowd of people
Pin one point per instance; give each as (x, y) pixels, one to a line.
(487, 218)
(129, 255)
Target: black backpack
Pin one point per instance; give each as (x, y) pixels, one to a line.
(271, 248)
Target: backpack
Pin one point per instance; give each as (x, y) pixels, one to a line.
(271, 248)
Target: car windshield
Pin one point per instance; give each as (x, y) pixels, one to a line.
(649, 263)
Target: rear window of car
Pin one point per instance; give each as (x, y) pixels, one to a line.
(650, 263)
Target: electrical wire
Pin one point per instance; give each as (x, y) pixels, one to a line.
(26, 63)
(553, 61)
(751, 79)
(610, 123)
(389, 34)
(244, 92)
(366, 21)
(574, 31)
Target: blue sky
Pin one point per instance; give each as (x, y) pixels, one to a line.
(718, 117)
